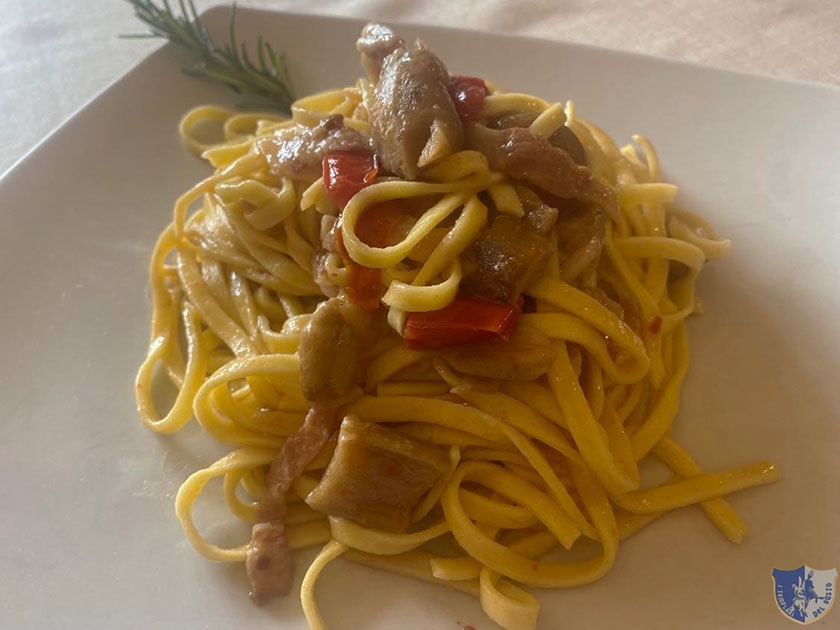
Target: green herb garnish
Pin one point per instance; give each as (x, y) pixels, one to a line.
(264, 82)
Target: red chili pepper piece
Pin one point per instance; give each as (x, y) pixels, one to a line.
(468, 94)
(346, 173)
(376, 227)
(656, 325)
(364, 285)
(466, 319)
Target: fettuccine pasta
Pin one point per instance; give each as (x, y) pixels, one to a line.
(526, 465)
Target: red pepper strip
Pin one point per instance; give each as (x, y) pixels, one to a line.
(375, 227)
(363, 285)
(468, 94)
(346, 173)
(466, 319)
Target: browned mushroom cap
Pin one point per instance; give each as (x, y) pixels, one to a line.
(375, 43)
(524, 156)
(564, 138)
(413, 120)
(376, 476)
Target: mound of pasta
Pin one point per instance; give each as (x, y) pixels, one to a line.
(440, 325)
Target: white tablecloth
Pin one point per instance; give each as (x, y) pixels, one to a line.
(55, 55)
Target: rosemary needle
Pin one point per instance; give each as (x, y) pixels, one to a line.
(263, 81)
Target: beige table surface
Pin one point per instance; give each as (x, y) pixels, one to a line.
(55, 55)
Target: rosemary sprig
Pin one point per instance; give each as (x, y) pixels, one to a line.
(264, 81)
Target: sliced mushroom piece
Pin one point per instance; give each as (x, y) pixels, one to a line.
(504, 260)
(526, 157)
(527, 355)
(377, 476)
(328, 349)
(375, 43)
(565, 139)
(329, 352)
(508, 120)
(413, 120)
(298, 151)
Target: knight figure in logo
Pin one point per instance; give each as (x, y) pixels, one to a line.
(804, 594)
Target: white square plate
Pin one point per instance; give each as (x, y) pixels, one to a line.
(89, 536)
